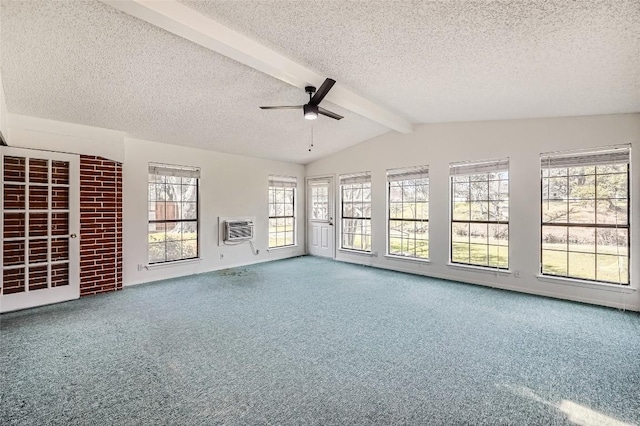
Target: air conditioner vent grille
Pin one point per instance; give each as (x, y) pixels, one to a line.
(238, 230)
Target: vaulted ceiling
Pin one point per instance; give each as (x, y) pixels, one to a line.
(95, 63)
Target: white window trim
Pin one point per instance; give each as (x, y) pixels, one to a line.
(284, 182)
(171, 263)
(350, 179)
(270, 249)
(480, 268)
(576, 282)
(359, 252)
(424, 171)
(175, 170)
(500, 163)
(408, 258)
(601, 285)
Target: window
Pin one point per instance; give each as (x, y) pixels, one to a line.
(319, 199)
(173, 213)
(408, 233)
(480, 213)
(282, 221)
(585, 215)
(355, 195)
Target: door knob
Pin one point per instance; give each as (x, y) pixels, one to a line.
(73, 236)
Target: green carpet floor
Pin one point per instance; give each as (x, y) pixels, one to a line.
(309, 341)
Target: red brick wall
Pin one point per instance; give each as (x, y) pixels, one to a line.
(100, 225)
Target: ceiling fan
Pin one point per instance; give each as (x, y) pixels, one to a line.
(312, 109)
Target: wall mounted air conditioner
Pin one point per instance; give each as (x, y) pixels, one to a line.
(238, 230)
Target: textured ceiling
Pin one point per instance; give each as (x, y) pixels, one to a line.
(87, 63)
(437, 61)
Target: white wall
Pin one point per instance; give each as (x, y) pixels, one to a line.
(51, 135)
(4, 114)
(522, 141)
(230, 186)
(237, 186)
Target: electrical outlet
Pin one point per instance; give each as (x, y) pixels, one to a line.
(221, 256)
(516, 274)
(140, 267)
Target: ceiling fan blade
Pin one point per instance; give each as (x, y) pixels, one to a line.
(282, 107)
(322, 91)
(329, 113)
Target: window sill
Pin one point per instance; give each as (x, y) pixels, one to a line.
(360, 253)
(282, 248)
(408, 259)
(485, 269)
(588, 284)
(173, 263)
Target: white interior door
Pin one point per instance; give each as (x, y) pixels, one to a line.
(40, 208)
(320, 205)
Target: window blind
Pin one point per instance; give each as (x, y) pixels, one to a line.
(604, 156)
(362, 177)
(177, 171)
(319, 182)
(479, 167)
(282, 181)
(408, 173)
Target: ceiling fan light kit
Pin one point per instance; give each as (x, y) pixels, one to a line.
(310, 111)
(312, 108)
